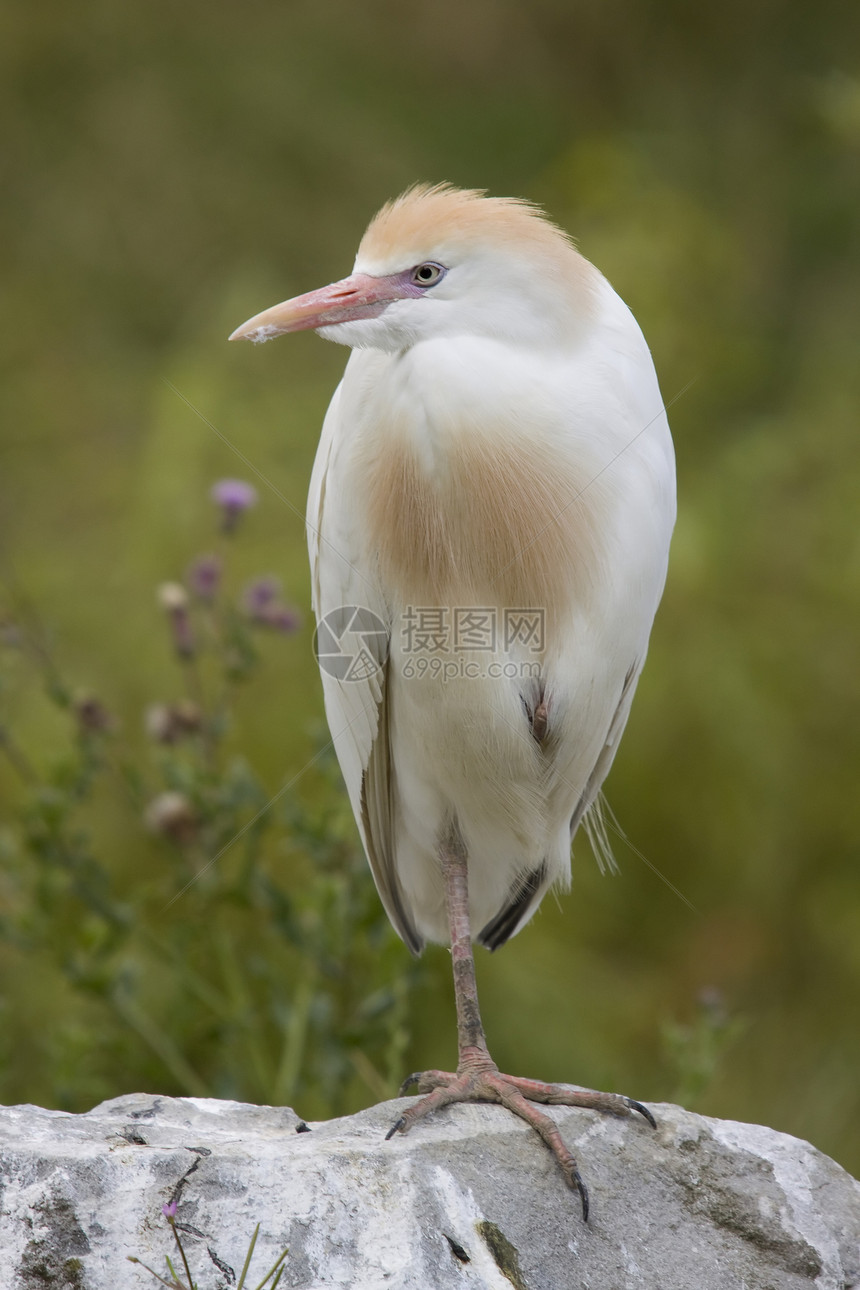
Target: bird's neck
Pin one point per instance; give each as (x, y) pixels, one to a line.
(477, 510)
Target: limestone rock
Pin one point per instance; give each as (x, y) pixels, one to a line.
(468, 1199)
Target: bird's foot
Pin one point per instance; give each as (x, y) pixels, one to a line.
(483, 1082)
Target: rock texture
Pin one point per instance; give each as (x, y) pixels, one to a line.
(469, 1199)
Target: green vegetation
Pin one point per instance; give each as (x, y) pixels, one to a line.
(232, 944)
(184, 1281)
(171, 171)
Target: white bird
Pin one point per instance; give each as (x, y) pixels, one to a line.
(495, 491)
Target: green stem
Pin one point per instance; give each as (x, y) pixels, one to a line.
(247, 1262)
(171, 1285)
(172, 1222)
(17, 757)
(276, 1267)
(294, 1041)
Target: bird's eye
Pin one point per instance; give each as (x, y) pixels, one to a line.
(427, 275)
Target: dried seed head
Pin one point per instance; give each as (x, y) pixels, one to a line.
(172, 815)
(167, 723)
(172, 596)
(91, 715)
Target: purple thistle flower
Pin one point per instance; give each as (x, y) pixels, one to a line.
(260, 595)
(204, 576)
(233, 496)
(282, 618)
(261, 601)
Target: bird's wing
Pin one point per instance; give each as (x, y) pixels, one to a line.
(352, 617)
(529, 890)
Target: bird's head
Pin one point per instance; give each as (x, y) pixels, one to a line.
(441, 261)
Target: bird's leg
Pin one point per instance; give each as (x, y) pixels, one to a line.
(472, 1051)
(477, 1078)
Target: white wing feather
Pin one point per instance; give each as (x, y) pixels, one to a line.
(356, 709)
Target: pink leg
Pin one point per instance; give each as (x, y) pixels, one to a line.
(478, 1078)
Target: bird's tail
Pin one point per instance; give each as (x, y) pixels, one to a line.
(597, 821)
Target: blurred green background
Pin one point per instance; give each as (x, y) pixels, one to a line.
(170, 170)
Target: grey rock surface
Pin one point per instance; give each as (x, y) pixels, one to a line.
(468, 1199)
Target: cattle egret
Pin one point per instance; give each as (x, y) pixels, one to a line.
(489, 522)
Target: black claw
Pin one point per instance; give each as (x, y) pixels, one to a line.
(643, 1111)
(396, 1127)
(583, 1192)
(575, 1183)
(414, 1078)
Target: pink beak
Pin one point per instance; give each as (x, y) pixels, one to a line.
(355, 297)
